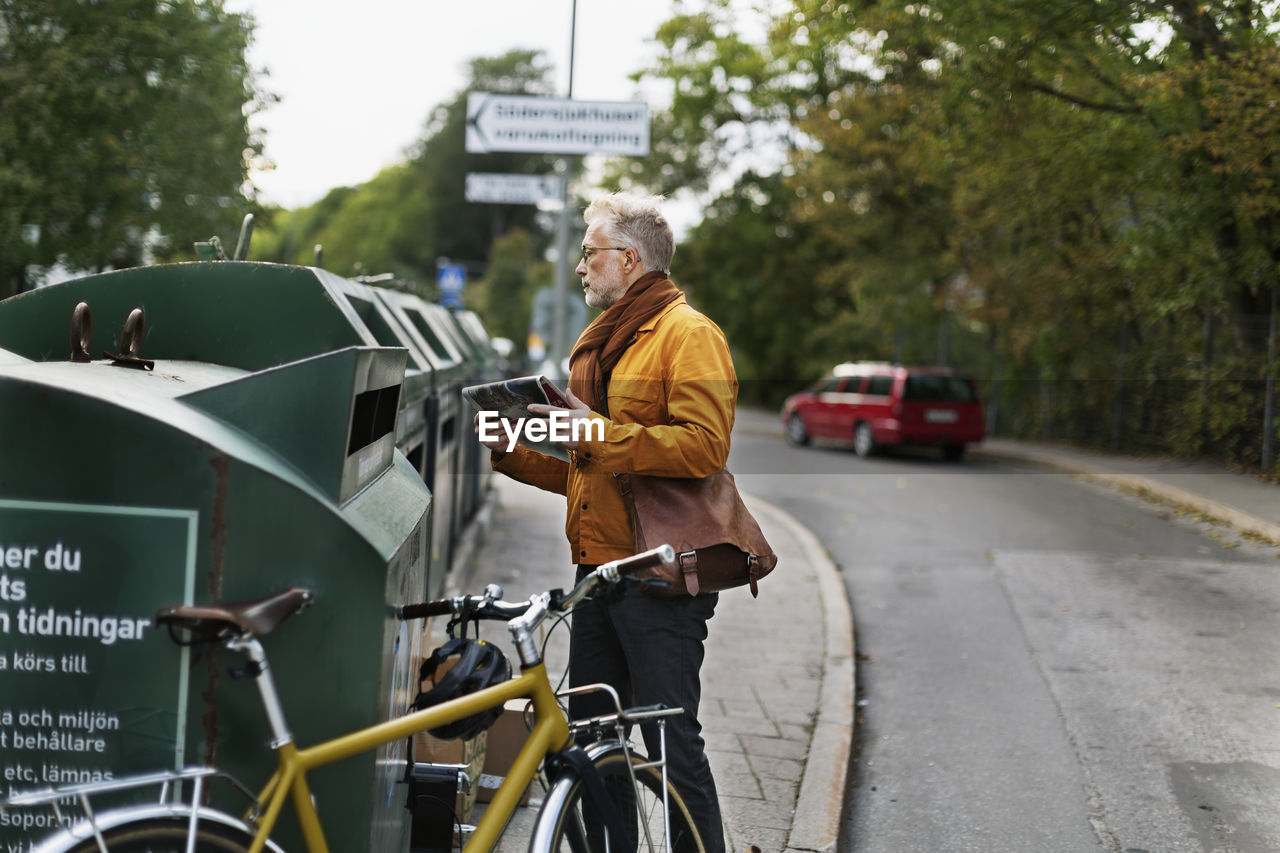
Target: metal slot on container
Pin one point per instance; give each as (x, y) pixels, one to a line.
(373, 415)
(433, 794)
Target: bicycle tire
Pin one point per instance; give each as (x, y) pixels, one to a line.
(565, 823)
(168, 835)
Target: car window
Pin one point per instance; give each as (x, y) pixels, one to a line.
(938, 389)
(880, 386)
(826, 386)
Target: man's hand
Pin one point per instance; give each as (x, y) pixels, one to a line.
(497, 443)
(579, 412)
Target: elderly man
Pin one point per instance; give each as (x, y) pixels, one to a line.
(658, 377)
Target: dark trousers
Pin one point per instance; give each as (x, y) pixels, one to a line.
(650, 650)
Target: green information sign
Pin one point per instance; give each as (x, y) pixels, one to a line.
(89, 690)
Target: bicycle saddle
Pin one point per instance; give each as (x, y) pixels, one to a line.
(258, 616)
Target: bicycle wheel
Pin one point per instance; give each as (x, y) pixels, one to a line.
(569, 820)
(168, 835)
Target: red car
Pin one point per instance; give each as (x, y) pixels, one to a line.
(875, 405)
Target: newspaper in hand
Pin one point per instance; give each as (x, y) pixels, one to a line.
(504, 413)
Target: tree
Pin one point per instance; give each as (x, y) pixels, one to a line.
(733, 101)
(751, 268)
(122, 125)
(504, 295)
(1114, 189)
(1079, 190)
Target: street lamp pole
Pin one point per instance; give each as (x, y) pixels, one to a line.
(559, 348)
(1268, 406)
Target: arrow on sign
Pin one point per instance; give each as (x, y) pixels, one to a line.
(531, 125)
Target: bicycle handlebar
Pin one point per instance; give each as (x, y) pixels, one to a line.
(427, 608)
(488, 606)
(662, 555)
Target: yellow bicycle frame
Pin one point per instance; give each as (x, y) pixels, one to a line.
(550, 734)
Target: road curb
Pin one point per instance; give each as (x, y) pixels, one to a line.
(820, 804)
(1135, 482)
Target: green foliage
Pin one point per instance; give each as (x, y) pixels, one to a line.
(749, 268)
(504, 295)
(119, 122)
(1063, 197)
(728, 101)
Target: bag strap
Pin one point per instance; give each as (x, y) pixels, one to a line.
(688, 563)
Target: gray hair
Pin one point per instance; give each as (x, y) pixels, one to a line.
(636, 221)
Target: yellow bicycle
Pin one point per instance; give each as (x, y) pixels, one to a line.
(602, 796)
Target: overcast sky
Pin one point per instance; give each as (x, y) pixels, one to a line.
(357, 78)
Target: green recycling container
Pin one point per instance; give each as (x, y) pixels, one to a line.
(448, 417)
(248, 443)
(475, 471)
(467, 443)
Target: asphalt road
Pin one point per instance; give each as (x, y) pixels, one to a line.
(1044, 664)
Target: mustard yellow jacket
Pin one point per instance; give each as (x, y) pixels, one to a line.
(671, 408)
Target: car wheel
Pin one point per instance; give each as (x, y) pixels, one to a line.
(864, 442)
(953, 452)
(796, 433)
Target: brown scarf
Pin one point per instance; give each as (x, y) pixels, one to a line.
(601, 345)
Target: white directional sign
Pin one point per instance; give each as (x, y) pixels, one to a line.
(526, 124)
(512, 189)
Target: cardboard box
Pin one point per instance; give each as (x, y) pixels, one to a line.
(506, 737)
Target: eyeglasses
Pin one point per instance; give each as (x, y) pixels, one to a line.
(588, 252)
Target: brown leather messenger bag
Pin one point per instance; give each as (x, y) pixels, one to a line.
(718, 543)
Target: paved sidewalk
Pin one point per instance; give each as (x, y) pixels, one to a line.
(778, 684)
(1244, 501)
